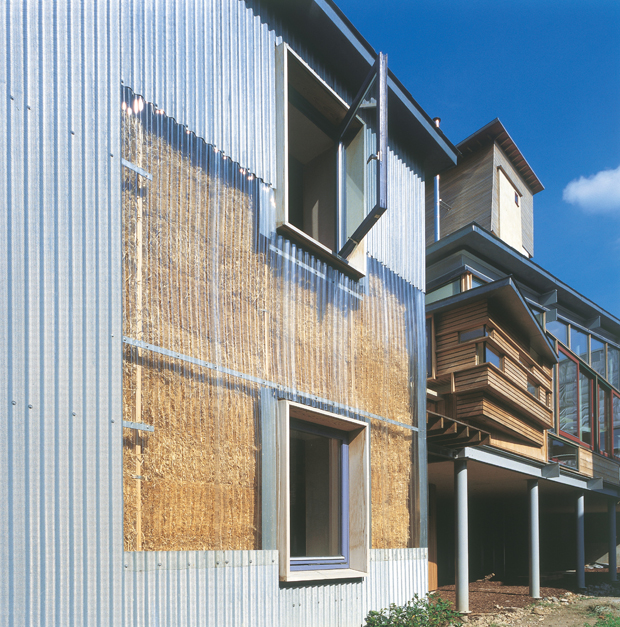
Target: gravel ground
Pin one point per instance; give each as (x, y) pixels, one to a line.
(494, 604)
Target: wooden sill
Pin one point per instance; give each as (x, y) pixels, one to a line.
(322, 575)
(319, 250)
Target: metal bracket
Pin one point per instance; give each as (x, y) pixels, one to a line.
(137, 169)
(139, 426)
(550, 470)
(595, 484)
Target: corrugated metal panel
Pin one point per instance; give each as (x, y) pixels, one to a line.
(60, 459)
(397, 240)
(209, 588)
(201, 588)
(209, 64)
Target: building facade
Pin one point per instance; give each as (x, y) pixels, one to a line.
(524, 405)
(212, 317)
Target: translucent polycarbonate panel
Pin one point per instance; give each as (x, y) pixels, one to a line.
(217, 308)
(567, 391)
(585, 408)
(559, 329)
(597, 355)
(613, 366)
(579, 344)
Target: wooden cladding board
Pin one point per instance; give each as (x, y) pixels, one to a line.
(606, 468)
(466, 192)
(506, 443)
(585, 462)
(487, 378)
(481, 410)
(461, 319)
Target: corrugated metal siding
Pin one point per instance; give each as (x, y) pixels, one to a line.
(241, 588)
(210, 65)
(60, 378)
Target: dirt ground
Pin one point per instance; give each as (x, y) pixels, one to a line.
(495, 604)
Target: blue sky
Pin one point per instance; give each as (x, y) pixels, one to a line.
(550, 70)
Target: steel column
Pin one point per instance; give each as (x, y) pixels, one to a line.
(462, 539)
(581, 560)
(532, 488)
(613, 567)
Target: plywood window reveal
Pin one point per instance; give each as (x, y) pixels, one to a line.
(219, 307)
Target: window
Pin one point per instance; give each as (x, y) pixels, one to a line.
(429, 347)
(445, 291)
(613, 366)
(487, 355)
(604, 421)
(597, 355)
(323, 160)
(616, 423)
(319, 503)
(323, 520)
(559, 329)
(516, 199)
(472, 334)
(579, 344)
(575, 399)
(563, 453)
(532, 388)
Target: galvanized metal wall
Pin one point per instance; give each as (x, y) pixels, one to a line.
(215, 588)
(210, 65)
(60, 341)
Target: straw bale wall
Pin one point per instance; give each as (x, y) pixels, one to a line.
(201, 281)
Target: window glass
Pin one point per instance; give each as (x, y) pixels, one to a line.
(476, 282)
(585, 405)
(429, 347)
(562, 452)
(613, 366)
(315, 494)
(597, 353)
(604, 421)
(567, 392)
(579, 343)
(532, 388)
(616, 410)
(559, 329)
(493, 358)
(450, 289)
(472, 334)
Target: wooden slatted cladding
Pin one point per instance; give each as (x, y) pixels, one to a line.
(510, 401)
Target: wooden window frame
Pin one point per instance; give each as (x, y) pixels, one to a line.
(358, 493)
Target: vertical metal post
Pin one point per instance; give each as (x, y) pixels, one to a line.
(613, 566)
(437, 210)
(462, 536)
(382, 130)
(581, 559)
(532, 488)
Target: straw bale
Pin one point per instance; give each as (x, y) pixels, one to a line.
(199, 466)
(210, 292)
(391, 452)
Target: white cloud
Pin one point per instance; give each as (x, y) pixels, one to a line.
(599, 193)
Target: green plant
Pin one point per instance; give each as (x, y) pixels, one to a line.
(608, 621)
(431, 611)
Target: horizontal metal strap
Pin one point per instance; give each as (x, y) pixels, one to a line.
(276, 386)
(137, 169)
(139, 426)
